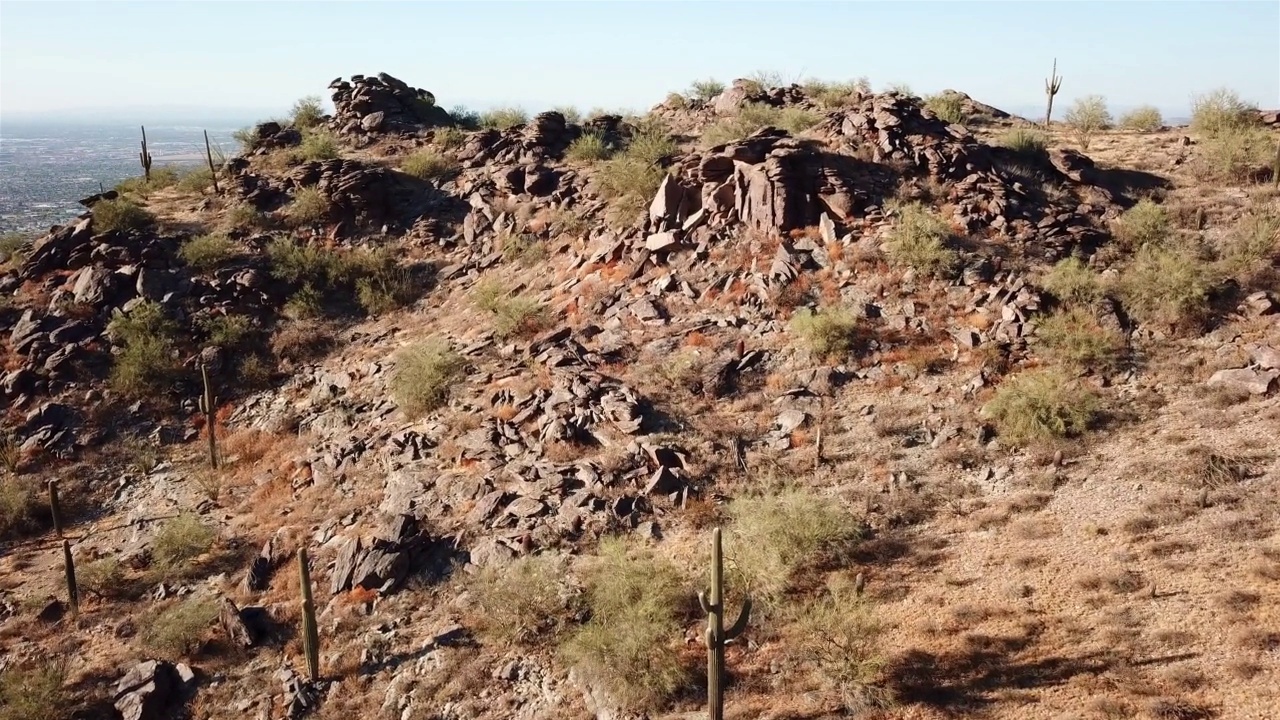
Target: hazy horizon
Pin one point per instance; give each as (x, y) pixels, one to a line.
(617, 54)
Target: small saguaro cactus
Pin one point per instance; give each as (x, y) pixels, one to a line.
(717, 635)
(69, 565)
(1051, 88)
(145, 157)
(213, 171)
(310, 634)
(55, 509)
(208, 406)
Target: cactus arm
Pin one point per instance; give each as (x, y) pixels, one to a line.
(703, 603)
(741, 623)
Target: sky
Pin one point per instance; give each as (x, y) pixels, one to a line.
(108, 58)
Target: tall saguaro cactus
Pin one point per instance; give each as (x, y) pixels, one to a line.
(69, 565)
(717, 635)
(213, 172)
(55, 508)
(208, 406)
(310, 634)
(145, 157)
(1051, 88)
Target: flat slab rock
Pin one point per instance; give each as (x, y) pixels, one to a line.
(1254, 382)
(151, 689)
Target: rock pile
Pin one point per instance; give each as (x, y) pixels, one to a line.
(383, 103)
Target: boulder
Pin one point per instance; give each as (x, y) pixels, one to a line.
(152, 689)
(1254, 382)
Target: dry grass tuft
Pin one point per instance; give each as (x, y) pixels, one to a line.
(1038, 405)
(423, 376)
(179, 630)
(179, 541)
(522, 602)
(920, 241)
(831, 333)
(35, 692)
(1076, 338)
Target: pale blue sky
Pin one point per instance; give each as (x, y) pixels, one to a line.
(258, 56)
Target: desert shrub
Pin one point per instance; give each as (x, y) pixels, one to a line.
(704, 90)
(1045, 404)
(179, 541)
(754, 116)
(1252, 246)
(1222, 110)
(103, 577)
(1072, 281)
(161, 177)
(830, 333)
(308, 206)
(423, 376)
(306, 303)
(465, 118)
(1167, 285)
(179, 630)
(146, 337)
(1146, 119)
(295, 262)
(837, 636)
(196, 180)
(523, 249)
(503, 118)
(20, 506)
(1075, 337)
(1086, 117)
(120, 214)
(947, 106)
(774, 536)
(207, 252)
(513, 315)
(245, 217)
(1146, 223)
(1236, 154)
(307, 113)
(1024, 141)
(11, 245)
(630, 178)
(302, 341)
(900, 88)
(589, 147)
(428, 165)
(35, 692)
(836, 94)
(570, 113)
(317, 145)
(254, 371)
(246, 138)
(386, 289)
(919, 241)
(628, 647)
(520, 602)
(450, 137)
(227, 331)
(10, 452)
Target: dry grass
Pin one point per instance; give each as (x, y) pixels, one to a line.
(1143, 224)
(589, 147)
(1075, 337)
(831, 333)
(309, 206)
(920, 241)
(1038, 405)
(1024, 141)
(428, 165)
(522, 602)
(35, 692)
(178, 631)
(947, 106)
(424, 375)
(503, 118)
(755, 116)
(513, 315)
(1167, 285)
(179, 541)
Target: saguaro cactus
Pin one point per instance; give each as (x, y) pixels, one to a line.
(55, 509)
(717, 635)
(310, 635)
(69, 564)
(208, 406)
(1051, 88)
(213, 171)
(145, 157)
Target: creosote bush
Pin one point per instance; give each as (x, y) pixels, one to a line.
(947, 106)
(503, 118)
(317, 145)
(1169, 286)
(103, 577)
(120, 214)
(831, 95)
(831, 333)
(145, 363)
(920, 240)
(1071, 281)
(772, 537)
(1252, 248)
(1144, 119)
(1076, 338)
(521, 602)
(1220, 111)
(1025, 141)
(227, 331)
(178, 631)
(423, 376)
(372, 278)
(630, 179)
(309, 206)
(307, 113)
(629, 646)
(207, 252)
(1235, 154)
(1146, 223)
(1086, 117)
(704, 90)
(754, 116)
(837, 637)
(179, 541)
(35, 691)
(246, 217)
(589, 147)
(449, 137)
(1039, 405)
(428, 165)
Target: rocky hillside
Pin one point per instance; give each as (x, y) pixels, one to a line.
(987, 414)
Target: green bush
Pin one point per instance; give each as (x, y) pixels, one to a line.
(754, 116)
(145, 363)
(1045, 404)
(919, 241)
(1167, 285)
(178, 631)
(1235, 154)
(161, 177)
(503, 118)
(227, 331)
(423, 376)
(104, 577)
(307, 113)
(1146, 223)
(628, 647)
(20, 505)
(428, 165)
(705, 90)
(832, 333)
(831, 95)
(317, 145)
(11, 248)
(947, 106)
(1024, 141)
(308, 207)
(521, 602)
(450, 137)
(1252, 246)
(589, 147)
(35, 692)
(179, 541)
(1086, 117)
(1145, 119)
(465, 118)
(207, 252)
(1071, 281)
(630, 179)
(120, 214)
(1076, 338)
(774, 536)
(1221, 111)
(513, 316)
(571, 114)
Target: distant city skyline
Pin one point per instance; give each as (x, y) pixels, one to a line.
(152, 61)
